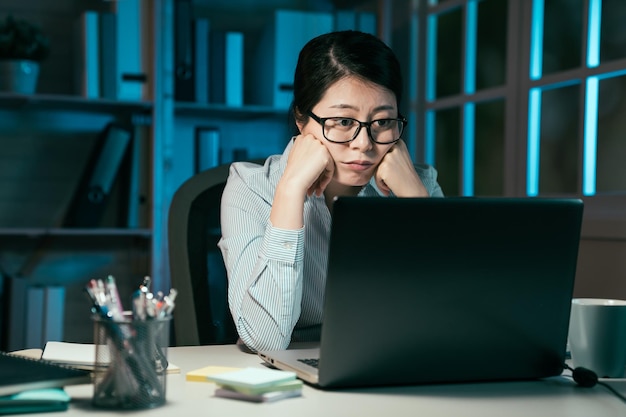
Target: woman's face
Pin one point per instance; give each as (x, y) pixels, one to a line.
(355, 161)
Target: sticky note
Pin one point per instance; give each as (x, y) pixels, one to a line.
(253, 377)
(201, 374)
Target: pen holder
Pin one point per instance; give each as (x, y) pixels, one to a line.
(131, 362)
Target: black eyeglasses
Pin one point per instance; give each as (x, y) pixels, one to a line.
(346, 129)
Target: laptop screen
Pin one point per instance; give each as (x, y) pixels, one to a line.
(448, 289)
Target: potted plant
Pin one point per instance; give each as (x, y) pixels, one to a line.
(22, 47)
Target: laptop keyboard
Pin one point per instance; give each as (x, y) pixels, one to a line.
(314, 362)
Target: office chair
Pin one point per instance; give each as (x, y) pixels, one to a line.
(197, 269)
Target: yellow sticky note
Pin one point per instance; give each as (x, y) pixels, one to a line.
(201, 374)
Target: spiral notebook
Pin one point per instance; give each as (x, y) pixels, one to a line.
(19, 373)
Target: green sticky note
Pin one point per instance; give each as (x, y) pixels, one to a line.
(253, 377)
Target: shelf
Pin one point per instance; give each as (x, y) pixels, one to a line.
(12, 101)
(228, 112)
(62, 232)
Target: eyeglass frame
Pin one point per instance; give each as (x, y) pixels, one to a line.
(322, 121)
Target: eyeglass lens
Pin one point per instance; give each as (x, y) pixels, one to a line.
(337, 129)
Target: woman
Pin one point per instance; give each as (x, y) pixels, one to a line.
(276, 218)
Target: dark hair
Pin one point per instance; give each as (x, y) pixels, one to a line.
(332, 56)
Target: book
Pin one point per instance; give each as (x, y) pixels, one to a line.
(260, 398)
(35, 401)
(252, 378)
(87, 54)
(226, 68)
(80, 355)
(19, 373)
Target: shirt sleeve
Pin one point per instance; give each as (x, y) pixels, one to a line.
(264, 264)
(428, 175)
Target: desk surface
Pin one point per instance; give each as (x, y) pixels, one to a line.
(552, 397)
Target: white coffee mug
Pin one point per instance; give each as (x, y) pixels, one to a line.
(597, 335)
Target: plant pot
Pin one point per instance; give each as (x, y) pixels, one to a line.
(19, 76)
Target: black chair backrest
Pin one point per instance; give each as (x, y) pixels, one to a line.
(197, 269)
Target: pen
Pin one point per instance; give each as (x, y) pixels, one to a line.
(139, 303)
(113, 299)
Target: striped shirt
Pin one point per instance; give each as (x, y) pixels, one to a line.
(276, 277)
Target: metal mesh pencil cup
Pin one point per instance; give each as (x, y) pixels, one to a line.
(131, 362)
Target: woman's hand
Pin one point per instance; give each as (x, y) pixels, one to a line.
(310, 168)
(310, 165)
(396, 173)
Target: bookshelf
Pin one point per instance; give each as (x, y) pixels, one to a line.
(14, 102)
(45, 140)
(45, 143)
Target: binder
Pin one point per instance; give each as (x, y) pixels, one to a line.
(183, 51)
(217, 72)
(137, 215)
(130, 76)
(278, 51)
(201, 60)
(234, 69)
(95, 186)
(354, 20)
(226, 63)
(108, 55)
(207, 148)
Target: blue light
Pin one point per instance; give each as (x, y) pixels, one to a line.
(469, 109)
(429, 146)
(468, 149)
(590, 140)
(431, 59)
(471, 29)
(593, 38)
(536, 40)
(534, 131)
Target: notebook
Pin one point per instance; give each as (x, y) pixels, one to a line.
(82, 355)
(439, 290)
(19, 373)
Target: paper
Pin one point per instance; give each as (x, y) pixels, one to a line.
(253, 377)
(81, 355)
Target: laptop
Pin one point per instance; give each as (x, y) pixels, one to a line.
(443, 290)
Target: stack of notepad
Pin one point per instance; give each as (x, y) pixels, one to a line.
(257, 384)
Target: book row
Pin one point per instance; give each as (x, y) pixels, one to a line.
(109, 60)
(216, 66)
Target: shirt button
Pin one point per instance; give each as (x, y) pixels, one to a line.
(287, 245)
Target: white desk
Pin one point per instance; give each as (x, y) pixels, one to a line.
(553, 397)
